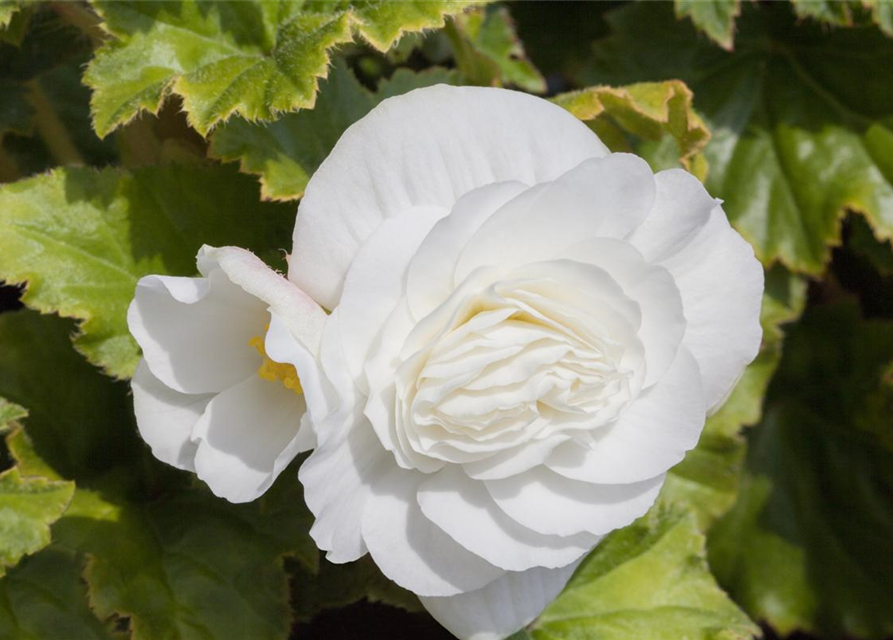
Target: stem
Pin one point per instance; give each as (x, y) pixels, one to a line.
(9, 172)
(80, 16)
(50, 127)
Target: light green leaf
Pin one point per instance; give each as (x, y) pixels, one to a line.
(716, 18)
(253, 59)
(488, 52)
(707, 479)
(9, 413)
(806, 546)
(44, 598)
(800, 133)
(81, 239)
(834, 12)
(8, 8)
(28, 506)
(285, 153)
(881, 14)
(645, 111)
(648, 581)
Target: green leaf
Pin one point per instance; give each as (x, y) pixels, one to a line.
(81, 239)
(488, 52)
(9, 413)
(28, 506)
(800, 133)
(45, 109)
(706, 481)
(253, 59)
(646, 111)
(44, 598)
(716, 18)
(81, 422)
(190, 567)
(805, 548)
(648, 581)
(285, 153)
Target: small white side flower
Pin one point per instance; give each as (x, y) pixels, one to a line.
(228, 371)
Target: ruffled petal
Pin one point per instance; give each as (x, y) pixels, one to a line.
(374, 283)
(338, 478)
(410, 549)
(426, 148)
(652, 287)
(464, 510)
(551, 504)
(195, 332)
(166, 417)
(603, 197)
(719, 279)
(501, 608)
(247, 436)
(721, 284)
(649, 438)
(429, 280)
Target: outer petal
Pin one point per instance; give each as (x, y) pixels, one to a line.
(652, 435)
(338, 478)
(247, 436)
(553, 505)
(303, 316)
(463, 509)
(425, 148)
(603, 197)
(374, 284)
(282, 345)
(504, 606)
(429, 280)
(195, 332)
(166, 417)
(410, 549)
(719, 279)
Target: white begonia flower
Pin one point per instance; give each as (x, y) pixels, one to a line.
(527, 333)
(228, 371)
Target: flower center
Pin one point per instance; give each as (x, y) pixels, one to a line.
(273, 371)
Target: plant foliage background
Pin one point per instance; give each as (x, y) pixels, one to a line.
(133, 131)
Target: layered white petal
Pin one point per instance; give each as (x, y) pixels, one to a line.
(649, 438)
(413, 551)
(501, 608)
(603, 197)
(247, 435)
(425, 148)
(651, 287)
(551, 504)
(462, 507)
(165, 417)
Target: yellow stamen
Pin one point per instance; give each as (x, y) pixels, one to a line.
(273, 371)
